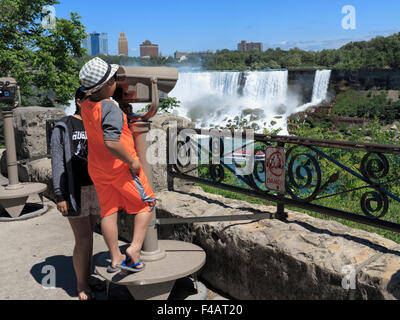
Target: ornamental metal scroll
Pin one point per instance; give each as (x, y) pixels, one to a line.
(307, 180)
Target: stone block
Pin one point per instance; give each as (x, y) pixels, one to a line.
(270, 259)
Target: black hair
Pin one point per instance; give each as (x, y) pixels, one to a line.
(79, 94)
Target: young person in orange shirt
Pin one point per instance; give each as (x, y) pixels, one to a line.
(113, 164)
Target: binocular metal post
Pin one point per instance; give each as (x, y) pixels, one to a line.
(13, 197)
(151, 251)
(12, 165)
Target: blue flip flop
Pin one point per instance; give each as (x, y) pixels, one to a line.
(131, 268)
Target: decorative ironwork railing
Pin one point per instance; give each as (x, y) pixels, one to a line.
(347, 180)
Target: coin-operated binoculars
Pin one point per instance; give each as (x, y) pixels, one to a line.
(13, 196)
(142, 85)
(145, 85)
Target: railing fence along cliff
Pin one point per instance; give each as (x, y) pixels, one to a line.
(313, 171)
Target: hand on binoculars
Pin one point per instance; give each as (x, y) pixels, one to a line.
(134, 166)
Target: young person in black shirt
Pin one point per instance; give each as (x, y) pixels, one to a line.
(75, 192)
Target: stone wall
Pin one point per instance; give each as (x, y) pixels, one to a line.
(270, 259)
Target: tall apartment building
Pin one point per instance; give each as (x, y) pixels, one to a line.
(96, 43)
(123, 45)
(250, 47)
(104, 43)
(88, 45)
(148, 49)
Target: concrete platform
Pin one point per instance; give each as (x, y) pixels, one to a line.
(157, 280)
(30, 248)
(14, 200)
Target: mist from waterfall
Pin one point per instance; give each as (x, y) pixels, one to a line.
(213, 98)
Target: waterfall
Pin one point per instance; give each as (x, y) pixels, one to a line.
(321, 83)
(320, 90)
(214, 98)
(268, 86)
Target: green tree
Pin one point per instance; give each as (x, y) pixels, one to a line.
(43, 60)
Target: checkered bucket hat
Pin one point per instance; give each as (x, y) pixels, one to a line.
(95, 73)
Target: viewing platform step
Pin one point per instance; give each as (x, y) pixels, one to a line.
(157, 280)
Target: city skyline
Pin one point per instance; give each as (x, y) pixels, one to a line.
(192, 26)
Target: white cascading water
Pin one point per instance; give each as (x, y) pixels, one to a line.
(321, 84)
(320, 91)
(212, 98)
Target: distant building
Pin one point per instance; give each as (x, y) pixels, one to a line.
(88, 45)
(250, 47)
(181, 55)
(148, 49)
(104, 43)
(97, 43)
(184, 55)
(123, 45)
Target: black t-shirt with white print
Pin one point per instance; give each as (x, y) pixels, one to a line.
(80, 153)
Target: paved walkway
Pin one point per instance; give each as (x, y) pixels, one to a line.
(31, 249)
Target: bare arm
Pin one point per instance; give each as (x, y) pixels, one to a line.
(118, 151)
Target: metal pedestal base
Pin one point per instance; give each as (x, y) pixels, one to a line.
(13, 200)
(157, 280)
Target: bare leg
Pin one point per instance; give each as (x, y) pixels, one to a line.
(109, 229)
(93, 220)
(142, 221)
(83, 234)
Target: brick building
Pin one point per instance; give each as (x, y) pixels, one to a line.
(148, 49)
(123, 45)
(250, 47)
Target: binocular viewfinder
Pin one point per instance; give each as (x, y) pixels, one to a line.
(8, 90)
(142, 84)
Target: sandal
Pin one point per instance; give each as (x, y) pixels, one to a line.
(131, 268)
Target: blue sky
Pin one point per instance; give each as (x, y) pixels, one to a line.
(187, 25)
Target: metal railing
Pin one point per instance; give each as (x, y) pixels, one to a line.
(315, 172)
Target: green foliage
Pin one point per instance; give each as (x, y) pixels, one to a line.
(41, 60)
(137, 61)
(166, 106)
(354, 104)
(169, 104)
(377, 53)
